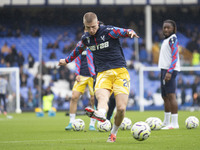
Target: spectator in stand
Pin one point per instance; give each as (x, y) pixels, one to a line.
(3, 32)
(14, 51)
(195, 58)
(10, 58)
(3, 63)
(23, 79)
(31, 60)
(192, 45)
(5, 49)
(55, 45)
(36, 80)
(54, 73)
(67, 48)
(64, 73)
(63, 37)
(20, 59)
(36, 33)
(9, 33)
(44, 68)
(18, 33)
(49, 45)
(53, 56)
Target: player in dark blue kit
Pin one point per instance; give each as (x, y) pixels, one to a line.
(110, 63)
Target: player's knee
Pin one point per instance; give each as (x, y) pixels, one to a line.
(121, 110)
(75, 97)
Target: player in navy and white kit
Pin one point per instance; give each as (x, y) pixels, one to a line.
(110, 63)
(169, 64)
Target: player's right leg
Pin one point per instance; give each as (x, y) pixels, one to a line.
(73, 108)
(167, 111)
(102, 96)
(103, 87)
(174, 112)
(121, 103)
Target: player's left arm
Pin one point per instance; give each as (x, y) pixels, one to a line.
(80, 47)
(121, 32)
(173, 43)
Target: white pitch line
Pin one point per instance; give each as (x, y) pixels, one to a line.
(27, 141)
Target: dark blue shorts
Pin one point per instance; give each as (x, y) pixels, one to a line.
(170, 86)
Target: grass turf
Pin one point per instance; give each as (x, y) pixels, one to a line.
(26, 131)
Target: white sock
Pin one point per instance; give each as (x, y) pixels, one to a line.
(92, 122)
(167, 118)
(114, 129)
(102, 111)
(174, 120)
(72, 117)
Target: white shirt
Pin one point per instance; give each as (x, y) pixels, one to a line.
(169, 58)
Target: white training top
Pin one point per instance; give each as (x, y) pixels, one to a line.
(169, 55)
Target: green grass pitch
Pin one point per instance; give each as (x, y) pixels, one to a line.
(27, 132)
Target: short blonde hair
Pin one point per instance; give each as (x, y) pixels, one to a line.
(89, 17)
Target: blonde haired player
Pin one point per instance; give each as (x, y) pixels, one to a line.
(110, 63)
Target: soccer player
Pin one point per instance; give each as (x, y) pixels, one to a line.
(84, 73)
(169, 64)
(110, 63)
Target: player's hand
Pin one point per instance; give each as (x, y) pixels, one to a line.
(78, 78)
(132, 34)
(168, 76)
(62, 62)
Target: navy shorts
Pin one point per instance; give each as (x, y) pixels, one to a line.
(170, 86)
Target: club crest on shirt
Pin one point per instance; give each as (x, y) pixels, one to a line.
(84, 53)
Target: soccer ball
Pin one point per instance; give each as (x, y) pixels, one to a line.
(192, 122)
(149, 120)
(126, 124)
(141, 131)
(154, 123)
(104, 126)
(78, 125)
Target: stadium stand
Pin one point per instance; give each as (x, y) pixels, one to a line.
(58, 36)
